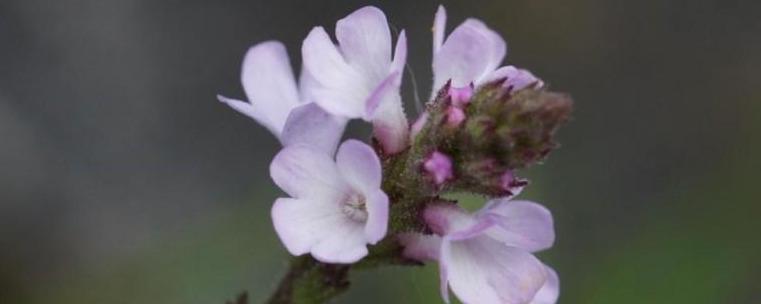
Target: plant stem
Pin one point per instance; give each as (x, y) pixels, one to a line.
(310, 282)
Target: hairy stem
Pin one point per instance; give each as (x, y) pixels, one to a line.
(310, 282)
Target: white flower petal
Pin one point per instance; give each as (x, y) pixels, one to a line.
(522, 224)
(268, 81)
(439, 28)
(359, 166)
(445, 250)
(310, 125)
(302, 223)
(338, 88)
(470, 53)
(550, 292)
(308, 173)
(377, 216)
(353, 79)
(346, 244)
(383, 95)
(251, 111)
(482, 270)
(365, 42)
(400, 54)
(307, 85)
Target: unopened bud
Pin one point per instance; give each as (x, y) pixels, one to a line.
(455, 116)
(532, 118)
(517, 127)
(439, 166)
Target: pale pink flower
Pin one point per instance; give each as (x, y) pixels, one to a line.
(487, 257)
(336, 207)
(358, 78)
(471, 55)
(279, 105)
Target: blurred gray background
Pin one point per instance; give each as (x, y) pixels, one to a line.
(123, 180)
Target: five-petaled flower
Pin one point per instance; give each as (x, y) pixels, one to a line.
(487, 257)
(336, 207)
(358, 78)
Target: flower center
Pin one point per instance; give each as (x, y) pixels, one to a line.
(354, 207)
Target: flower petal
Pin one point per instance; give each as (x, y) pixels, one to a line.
(302, 223)
(307, 85)
(339, 88)
(514, 77)
(310, 125)
(400, 53)
(470, 53)
(346, 244)
(550, 291)
(390, 124)
(482, 270)
(444, 269)
(305, 172)
(439, 28)
(521, 224)
(421, 247)
(377, 216)
(268, 81)
(359, 166)
(383, 94)
(365, 42)
(251, 111)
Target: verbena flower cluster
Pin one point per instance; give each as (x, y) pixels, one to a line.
(483, 122)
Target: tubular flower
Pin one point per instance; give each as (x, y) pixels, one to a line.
(279, 105)
(335, 207)
(487, 257)
(358, 78)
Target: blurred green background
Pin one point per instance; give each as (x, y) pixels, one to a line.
(122, 180)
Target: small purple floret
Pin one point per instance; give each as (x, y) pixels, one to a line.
(439, 166)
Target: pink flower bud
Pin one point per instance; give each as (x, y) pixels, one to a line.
(439, 166)
(455, 116)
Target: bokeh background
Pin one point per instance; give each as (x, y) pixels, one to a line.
(123, 180)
